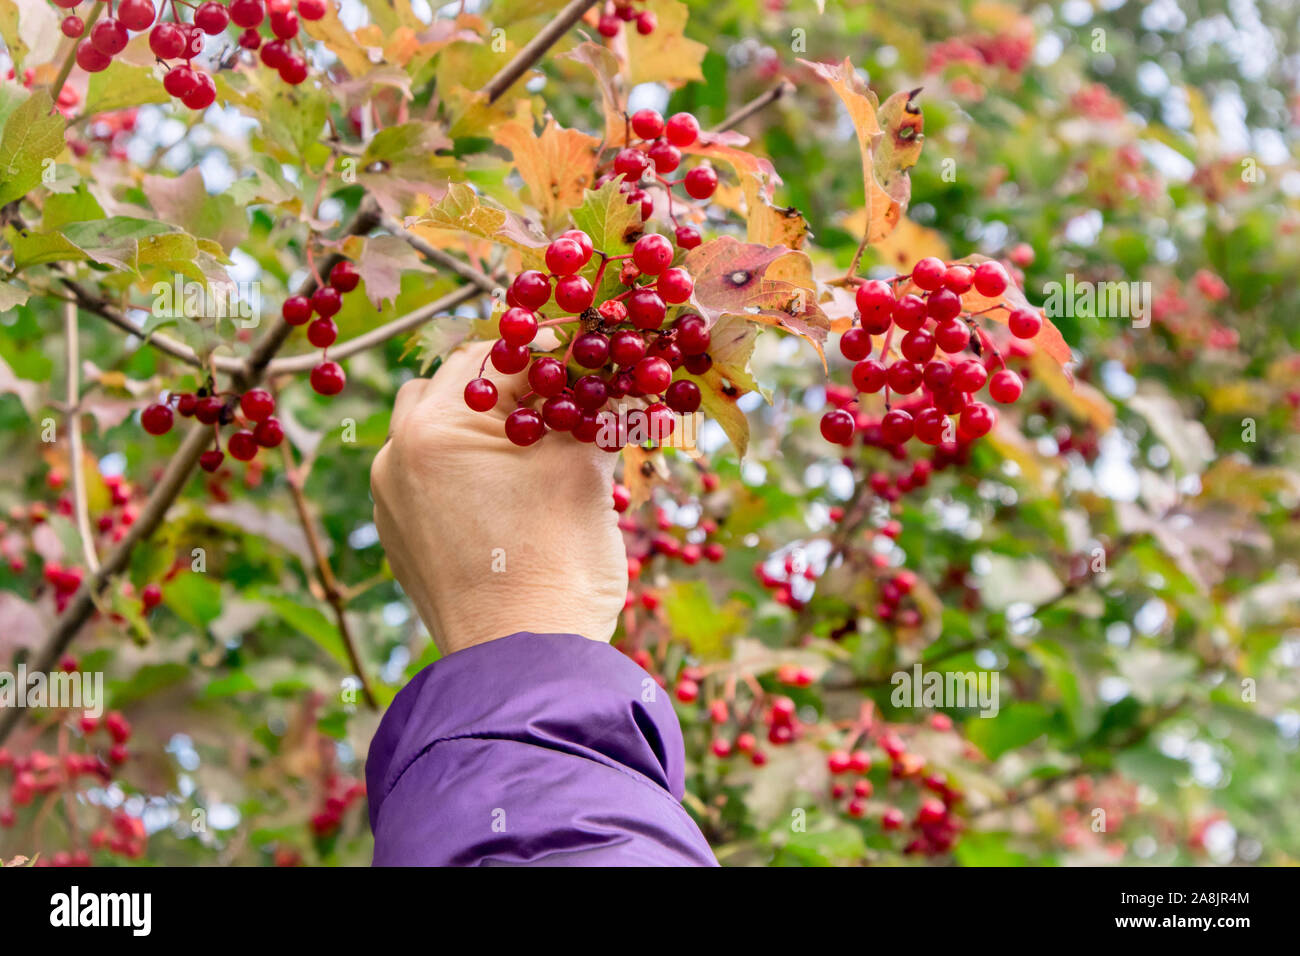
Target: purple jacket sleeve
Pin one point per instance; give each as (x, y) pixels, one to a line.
(534, 749)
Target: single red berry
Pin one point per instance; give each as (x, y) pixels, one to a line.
(896, 427)
(136, 15)
(591, 350)
(150, 598)
(90, 59)
(531, 289)
(892, 819)
(582, 239)
(647, 124)
(952, 336)
(72, 26)
(937, 375)
(187, 403)
(574, 294)
(652, 374)
(874, 297)
(344, 276)
(627, 347)
(208, 410)
(675, 286)
(969, 376)
(547, 376)
(296, 310)
(561, 413)
(564, 257)
(517, 326)
(688, 237)
(943, 305)
(682, 129)
(327, 378)
(274, 53)
(631, 164)
(958, 279)
(646, 22)
(480, 394)
(1005, 386)
(284, 24)
(509, 359)
(109, 37)
(652, 254)
(646, 309)
(212, 18)
(977, 419)
(991, 279)
(204, 93)
(931, 425)
(311, 9)
(910, 313)
(904, 377)
(928, 273)
(269, 433)
(918, 345)
(683, 396)
(701, 182)
(242, 445)
(322, 332)
(855, 344)
(246, 13)
(665, 157)
(166, 41)
(1024, 323)
(326, 301)
(609, 26)
(250, 39)
(211, 459)
(257, 404)
(293, 69)
(837, 427)
(590, 392)
(869, 376)
(692, 335)
(524, 426)
(157, 419)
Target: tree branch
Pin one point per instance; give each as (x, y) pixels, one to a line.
(444, 259)
(105, 310)
(536, 48)
(334, 594)
(377, 336)
(784, 88)
(80, 508)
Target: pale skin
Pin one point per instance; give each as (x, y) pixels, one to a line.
(450, 490)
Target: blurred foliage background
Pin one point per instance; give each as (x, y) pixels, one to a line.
(1123, 554)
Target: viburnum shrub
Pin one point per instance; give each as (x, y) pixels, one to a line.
(863, 434)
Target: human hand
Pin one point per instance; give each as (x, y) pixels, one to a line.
(488, 538)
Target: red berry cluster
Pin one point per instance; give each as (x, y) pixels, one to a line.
(617, 12)
(665, 540)
(621, 350)
(327, 378)
(251, 412)
(654, 150)
(43, 774)
(178, 40)
(932, 322)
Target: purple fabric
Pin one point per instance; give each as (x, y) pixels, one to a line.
(534, 749)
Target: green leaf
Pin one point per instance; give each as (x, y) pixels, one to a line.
(695, 618)
(194, 598)
(123, 85)
(32, 135)
(1014, 726)
(311, 623)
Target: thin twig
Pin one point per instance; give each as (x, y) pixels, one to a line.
(101, 307)
(80, 508)
(444, 259)
(784, 88)
(535, 48)
(334, 593)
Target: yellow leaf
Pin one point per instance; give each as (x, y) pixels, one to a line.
(330, 30)
(665, 56)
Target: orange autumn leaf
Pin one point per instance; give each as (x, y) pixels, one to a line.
(555, 165)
